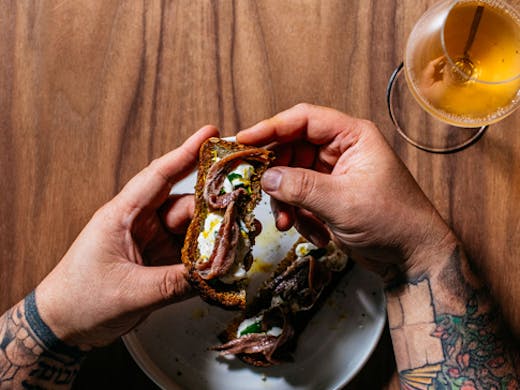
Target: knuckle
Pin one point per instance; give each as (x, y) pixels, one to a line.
(171, 285)
(104, 212)
(168, 286)
(107, 215)
(155, 168)
(366, 124)
(154, 165)
(305, 107)
(299, 192)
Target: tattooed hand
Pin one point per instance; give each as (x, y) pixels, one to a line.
(117, 271)
(342, 170)
(337, 174)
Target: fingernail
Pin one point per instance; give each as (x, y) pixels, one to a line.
(271, 179)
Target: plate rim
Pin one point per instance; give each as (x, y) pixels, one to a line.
(165, 382)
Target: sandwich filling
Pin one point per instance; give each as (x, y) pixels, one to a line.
(295, 290)
(263, 334)
(224, 242)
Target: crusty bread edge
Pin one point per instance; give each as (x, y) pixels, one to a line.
(231, 296)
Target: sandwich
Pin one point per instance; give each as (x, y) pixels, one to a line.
(267, 333)
(217, 249)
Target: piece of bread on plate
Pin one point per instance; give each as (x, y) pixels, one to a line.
(217, 249)
(267, 333)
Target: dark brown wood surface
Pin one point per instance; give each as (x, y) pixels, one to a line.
(92, 91)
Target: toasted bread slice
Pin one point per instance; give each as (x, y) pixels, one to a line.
(278, 305)
(227, 200)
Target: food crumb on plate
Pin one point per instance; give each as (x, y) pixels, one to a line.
(198, 313)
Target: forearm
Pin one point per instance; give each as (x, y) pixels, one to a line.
(447, 332)
(31, 356)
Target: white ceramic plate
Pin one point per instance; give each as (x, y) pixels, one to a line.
(171, 346)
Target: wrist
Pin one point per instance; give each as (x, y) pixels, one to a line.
(53, 344)
(428, 256)
(55, 320)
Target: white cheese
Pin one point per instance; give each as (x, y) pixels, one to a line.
(206, 243)
(236, 273)
(244, 172)
(275, 331)
(304, 249)
(206, 238)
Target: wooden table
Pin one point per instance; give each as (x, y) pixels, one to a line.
(90, 92)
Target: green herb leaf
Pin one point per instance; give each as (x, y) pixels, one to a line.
(253, 328)
(233, 176)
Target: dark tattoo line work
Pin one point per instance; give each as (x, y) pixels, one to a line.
(31, 356)
(466, 351)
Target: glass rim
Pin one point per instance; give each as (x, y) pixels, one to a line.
(493, 3)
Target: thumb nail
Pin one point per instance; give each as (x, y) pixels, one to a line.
(271, 179)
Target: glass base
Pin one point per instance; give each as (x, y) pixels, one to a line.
(418, 127)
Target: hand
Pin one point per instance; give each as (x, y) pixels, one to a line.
(337, 173)
(115, 272)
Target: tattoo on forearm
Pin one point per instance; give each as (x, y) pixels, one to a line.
(31, 356)
(437, 348)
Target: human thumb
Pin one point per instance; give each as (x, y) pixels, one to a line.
(304, 188)
(159, 286)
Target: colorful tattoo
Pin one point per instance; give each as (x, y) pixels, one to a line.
(473, 350)
(31, 356)
(439, 350)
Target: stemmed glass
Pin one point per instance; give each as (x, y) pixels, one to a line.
(461, 66)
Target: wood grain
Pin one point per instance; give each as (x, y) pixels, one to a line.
(90, 92)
